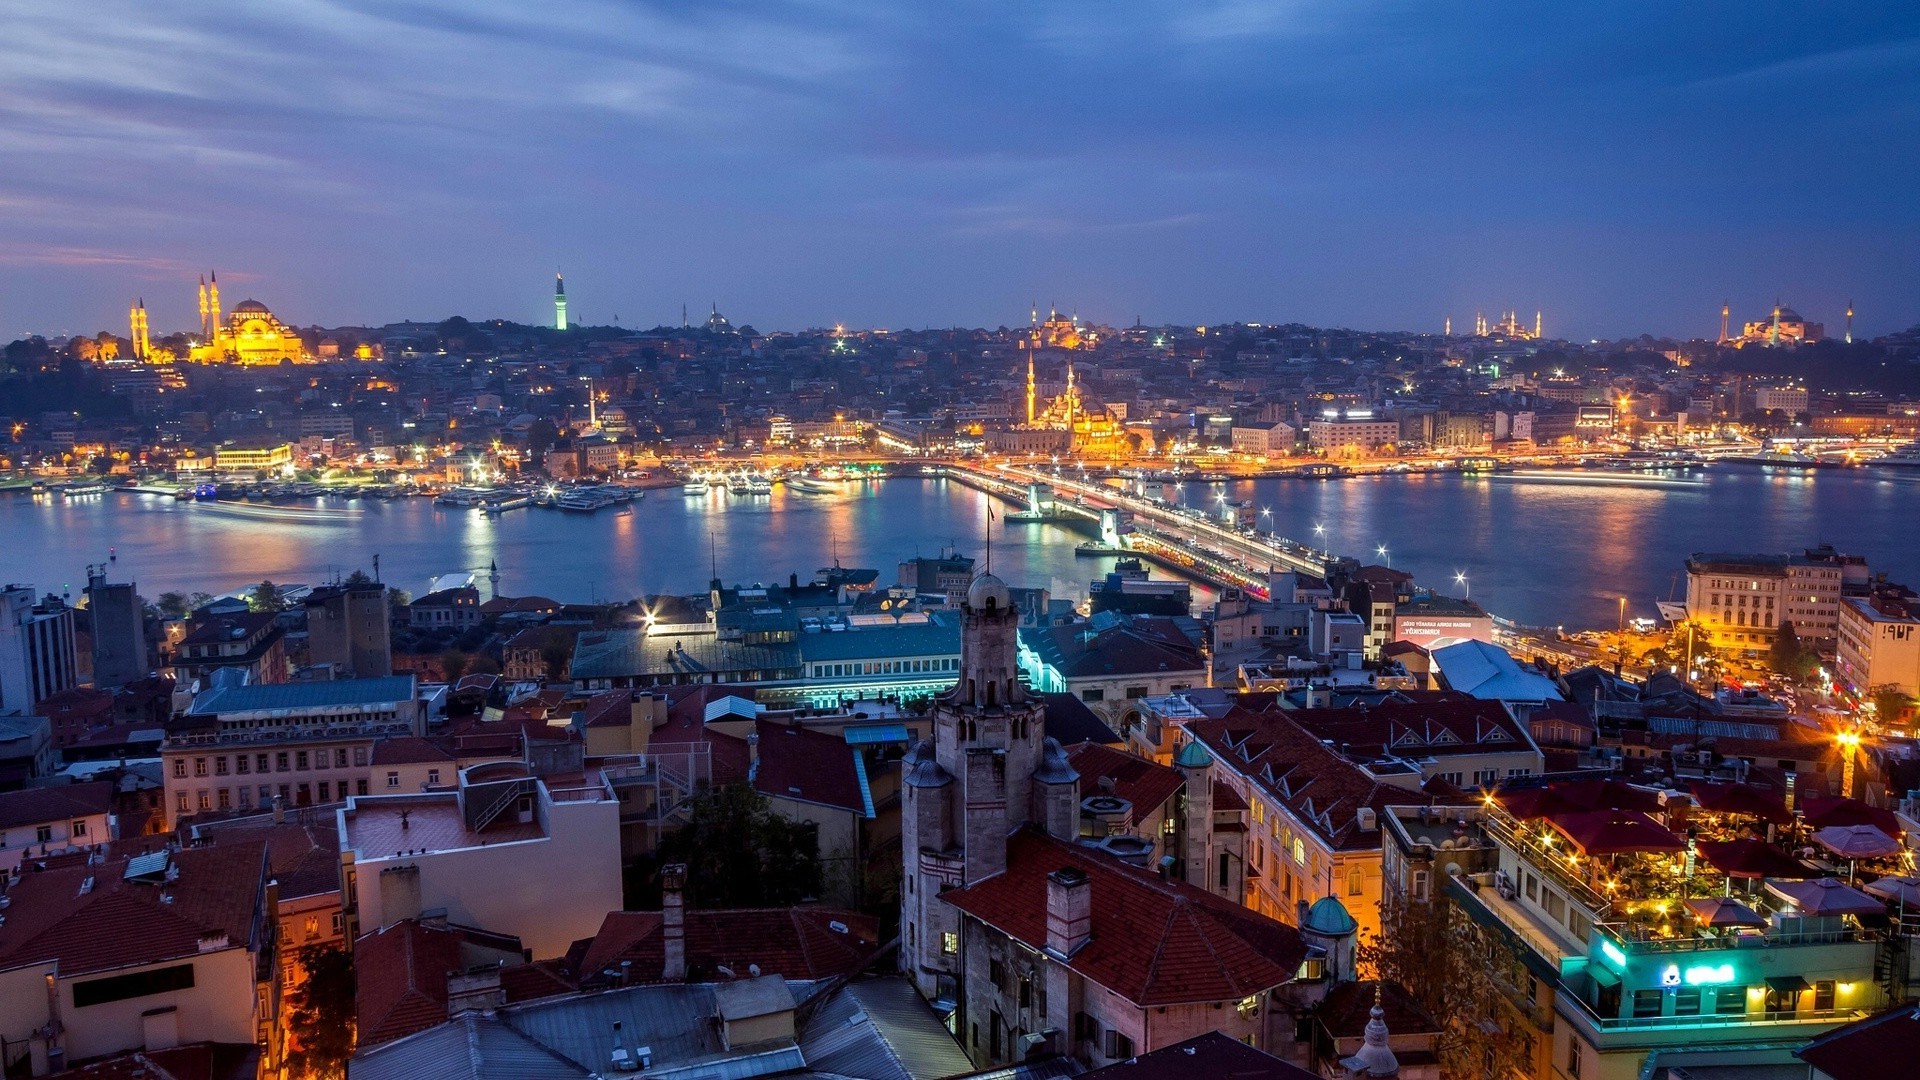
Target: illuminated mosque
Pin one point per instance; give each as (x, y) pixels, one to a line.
(1784, 327)
(249, 335)
(1508, 326)
(1090, 430)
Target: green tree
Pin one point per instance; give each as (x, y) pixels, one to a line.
(739, 853)
(1791, 657)
(359, 577)
(321, 1021)
(172, 604)
(266, 596)
(199, 600)
(556, 654)
(1890, 702)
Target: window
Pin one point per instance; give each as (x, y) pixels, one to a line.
(180, 767)
(949, 943)
(199, 766)
(300, 760)
(43, 834)
(206, 799)
(260, 763)
(1419, 884)
(393, 779)
(78, 828)
(140, 984)
(306, 795)
(359, 755)
(1823, 994)
(1223, 873)
(360, 786)
(242, 764)
(1730, 1000)
(1573, 1056)
(1093, 694)
(220, 765)
(1135, 692)
(433, 776)
(280, 761)
(1646, 1003)
(1356, 881)
(1686, 1001)
(180, 801)
(325, 790)
(997, 974)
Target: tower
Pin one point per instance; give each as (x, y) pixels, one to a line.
(559, 301)
(203, 305)
(1726, 309)
(1029, 383)
(988, 770)
(1536, 324)
(213, 307)
(1773, 332)
(1849, 322)
(137, 316)
(493, 579)
(1448, 332)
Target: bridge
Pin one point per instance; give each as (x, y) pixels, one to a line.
(1178, 537)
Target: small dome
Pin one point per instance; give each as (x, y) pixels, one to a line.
(989, 591)
(919, 768)
(252, 307)
(1193, 756)
(1054, 767)
(1329, 917)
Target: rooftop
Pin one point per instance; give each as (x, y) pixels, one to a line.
(388, 825)
(34, 806)
(798, 943)
(339, 693)
(1212, 1054)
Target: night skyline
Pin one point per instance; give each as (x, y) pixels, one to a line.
(805, 164)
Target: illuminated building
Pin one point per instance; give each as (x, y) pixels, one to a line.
(1741, 600)
(559, 302)
(137, 320)
(1784, 327)
(1061, 332)
(1849, 322)
(253, 458)
(1638, 952)
(1880, 641)
(249, 335)
(1507, 326)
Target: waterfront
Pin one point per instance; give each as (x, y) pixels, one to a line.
(1539, 550)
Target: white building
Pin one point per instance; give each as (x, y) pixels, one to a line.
(1357, 431)
(1880, 641)
(42, 821)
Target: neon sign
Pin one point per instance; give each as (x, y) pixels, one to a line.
(1709, 975)
(1613, 953)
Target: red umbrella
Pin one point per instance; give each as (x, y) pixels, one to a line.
(1748, 858)
(1825, 810)
(1826, 896)
(1740, 799)
(1615, 832)
(1856, 841)
(1724, 911)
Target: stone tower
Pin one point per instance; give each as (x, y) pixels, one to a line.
(988, 770)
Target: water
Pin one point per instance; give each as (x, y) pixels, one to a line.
(1537, 551)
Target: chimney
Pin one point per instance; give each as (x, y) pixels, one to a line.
(673, 927)
(1069, 911)
(475, 990)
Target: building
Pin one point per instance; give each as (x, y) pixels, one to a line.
(1490, 673)
(457, 608)
(559, 302)
(349, 630)
(487, 853)
(243, 747)
(251, 642)
(119, 631)
(1637, 979)
(1432, 621)
(303, 855)
(1212, 1054)
(27, 749)
(1880, 641)
(149, 952)
(249, 335)
(1032, 938)
(1789, 399)
(1264, 439)
(38, 658)
(1352, 433)
(1784, 327)
(41, 821)
(1741, 600)
(1112, 661)
(253, 458)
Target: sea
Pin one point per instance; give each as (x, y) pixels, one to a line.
(1542, 549)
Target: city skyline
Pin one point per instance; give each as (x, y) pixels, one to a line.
(805, 167)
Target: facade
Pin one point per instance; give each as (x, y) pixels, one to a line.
(1880, 641)
(456, 608)
(1741, 600)
(253, 458)
(36, 822)
(1032, 937)
(349, 630)
(250, 335)
(1112, 662)
(250, 641)
(243, 747)
(1434, 621)
(1352, 434)
(503, 851)
(119, 631)
(1263, 439)
(37, 654)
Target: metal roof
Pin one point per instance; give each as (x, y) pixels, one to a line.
(304, 695)
(881, 1029)
(472, 1047)
(882, 643)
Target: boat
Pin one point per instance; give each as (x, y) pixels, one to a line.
(810, 485)
(737, 484)
(696, 486)
(759, 485)
(83, 487)
(1906, 457)
(515, 501)
(581, 502)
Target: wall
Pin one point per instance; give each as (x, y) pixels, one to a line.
(218, 1007)
(18, 842)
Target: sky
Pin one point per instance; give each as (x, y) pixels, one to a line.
(1624, 167)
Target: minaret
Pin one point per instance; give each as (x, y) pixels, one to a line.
(493, 579)
(1849, 322)
(1726, 309)
(1448, 332)
(213, 309)
(1773, 334)
(1030, 383)
(1536, 325)
(203, 305)
(559, 302)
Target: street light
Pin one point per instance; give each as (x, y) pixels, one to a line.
(1460, 579)
(1382, 552)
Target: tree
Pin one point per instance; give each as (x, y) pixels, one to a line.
(321, 1022)
(266, 596)
(199, 600)
(1470, 980)
(1790, 656)
(359, 577)
(556, 654)
(453, 664)
(739, 853)
(1890, 702)
(172, 604)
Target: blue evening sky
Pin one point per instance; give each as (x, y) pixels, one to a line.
(1623, 165)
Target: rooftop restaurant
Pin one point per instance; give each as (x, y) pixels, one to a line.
(1710, 904)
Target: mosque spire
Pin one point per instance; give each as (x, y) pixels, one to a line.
(1849, 322)
(1374, 1058)
(559, 301)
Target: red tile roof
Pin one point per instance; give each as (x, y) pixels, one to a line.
(118, 923)
(1418, 728)
(1321, 789)
(1144, 784)
(408, 750)
(1867, 1049)
(1209, 1055)
(400, 979)
(303, 852)
(194, 1061)
(1345, 1010)
(33, 806)
(1153, 941)
(808, 765)
(797, 943)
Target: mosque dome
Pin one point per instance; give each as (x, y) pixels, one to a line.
(250, 307)
(1329, 917)
(989, 591)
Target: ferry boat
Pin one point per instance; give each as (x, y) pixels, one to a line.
(696, 486)
(83, 487)
(1906, 457)
(759, 485)
(582, 501)
(515, 501)
(737, 484)
(810, 485)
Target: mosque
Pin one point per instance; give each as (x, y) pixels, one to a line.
(249, 335)
(1784, 327)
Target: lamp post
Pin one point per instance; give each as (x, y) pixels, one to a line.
(1382, 552)
(1460, 579)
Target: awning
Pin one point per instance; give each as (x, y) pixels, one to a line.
(1601, 976)
(875, 733)
(1787, 984)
